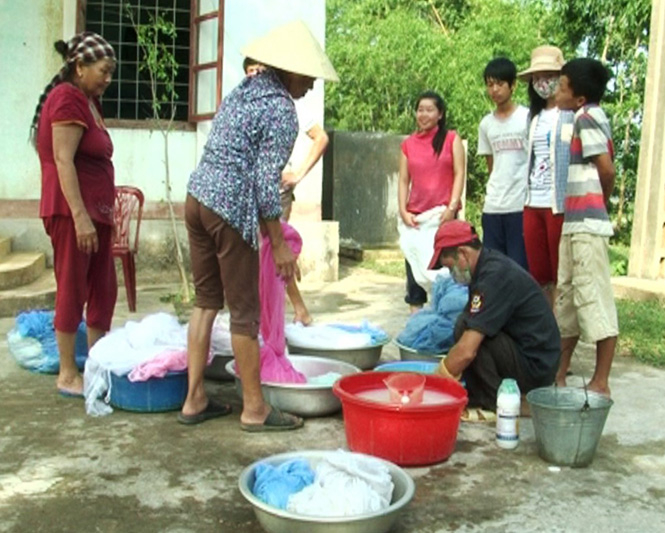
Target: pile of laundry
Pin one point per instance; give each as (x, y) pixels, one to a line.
(431, 330)
(33, 345)
(142, 350)
(342, 484)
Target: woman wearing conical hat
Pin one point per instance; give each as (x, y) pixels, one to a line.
(234, 191)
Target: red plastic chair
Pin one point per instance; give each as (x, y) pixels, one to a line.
(128, 200)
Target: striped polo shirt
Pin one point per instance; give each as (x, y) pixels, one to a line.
(585, 210)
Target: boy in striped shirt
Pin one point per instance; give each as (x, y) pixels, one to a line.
(585, 304)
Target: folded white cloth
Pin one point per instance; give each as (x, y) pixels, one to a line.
(417, 244)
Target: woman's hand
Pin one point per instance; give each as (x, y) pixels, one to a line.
(86, 234)
(409, 219)
(447, 215)
(285, 262)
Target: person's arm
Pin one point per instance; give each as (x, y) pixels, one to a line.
(66, 139)
(461, 354)
(458, 180)
(319, 144)
(403, 191)
(606, 174)
(285, 261)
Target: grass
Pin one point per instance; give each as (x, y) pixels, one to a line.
(394, 268)
(641, 327)
(641, 323)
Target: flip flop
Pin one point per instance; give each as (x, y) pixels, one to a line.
(477, 414)
(212, 410)
(69, 394)
(276, 421)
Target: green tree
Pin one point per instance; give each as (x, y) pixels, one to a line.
(388, 51)
(158, 62)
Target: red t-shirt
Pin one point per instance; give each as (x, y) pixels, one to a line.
(431, 176)
(66, 104)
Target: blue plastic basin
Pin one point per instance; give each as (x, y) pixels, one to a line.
(421, 367)
(151, 396)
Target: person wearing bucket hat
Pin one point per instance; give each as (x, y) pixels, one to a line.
(78, 196)
(506, 330)
(550, 132)
(231, 195)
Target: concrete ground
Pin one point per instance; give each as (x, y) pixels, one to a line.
(63, 471)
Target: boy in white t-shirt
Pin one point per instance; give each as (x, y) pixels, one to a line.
(502, 139)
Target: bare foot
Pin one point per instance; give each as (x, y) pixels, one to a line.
(560, 382)
(600, 389)
(70, 384)
(252, 417)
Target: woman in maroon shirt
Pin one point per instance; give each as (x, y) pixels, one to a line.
(78, 195)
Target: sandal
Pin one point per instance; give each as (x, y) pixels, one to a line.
(212, 410)
(275, 421)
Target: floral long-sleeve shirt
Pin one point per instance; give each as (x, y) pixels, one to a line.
(251, 140)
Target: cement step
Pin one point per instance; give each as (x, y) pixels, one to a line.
(40, 294)
(5, 246)
(20, 268)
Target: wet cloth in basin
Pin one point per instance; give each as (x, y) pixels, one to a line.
(345, 485)
(335, 336)
(275, 367)
(431, 329)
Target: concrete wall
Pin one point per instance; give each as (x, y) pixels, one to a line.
(360, 186)
(26, 40)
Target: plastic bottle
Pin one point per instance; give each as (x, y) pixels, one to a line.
(508, 415)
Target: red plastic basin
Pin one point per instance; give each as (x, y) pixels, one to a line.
(407, 435)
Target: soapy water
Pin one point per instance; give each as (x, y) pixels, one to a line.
(430, 397)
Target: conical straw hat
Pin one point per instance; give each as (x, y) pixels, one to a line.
(293, 48)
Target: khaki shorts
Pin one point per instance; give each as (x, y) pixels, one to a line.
(585, 303)
(223, 265)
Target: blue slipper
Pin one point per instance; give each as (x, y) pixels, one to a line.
(69, 394)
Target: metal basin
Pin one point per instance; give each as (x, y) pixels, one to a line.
(217, 368)
(409, 354)
(568, 423)
(303, 399)
(275, 520)
(364, 358)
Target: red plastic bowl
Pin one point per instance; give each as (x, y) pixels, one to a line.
(407, 435)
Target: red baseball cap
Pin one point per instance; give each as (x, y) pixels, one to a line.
(449, 235)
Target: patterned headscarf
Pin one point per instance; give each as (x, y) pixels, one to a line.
(87, 47)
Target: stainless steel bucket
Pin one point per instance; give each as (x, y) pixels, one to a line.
(568, 423)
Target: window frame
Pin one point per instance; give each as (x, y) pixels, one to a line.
(194, 67)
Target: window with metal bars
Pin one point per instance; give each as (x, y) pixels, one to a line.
(129, 96)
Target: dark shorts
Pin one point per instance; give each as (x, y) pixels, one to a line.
(224, 266)
(82, 280)
(504, 232)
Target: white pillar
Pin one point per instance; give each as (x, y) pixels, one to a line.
(647, 246)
